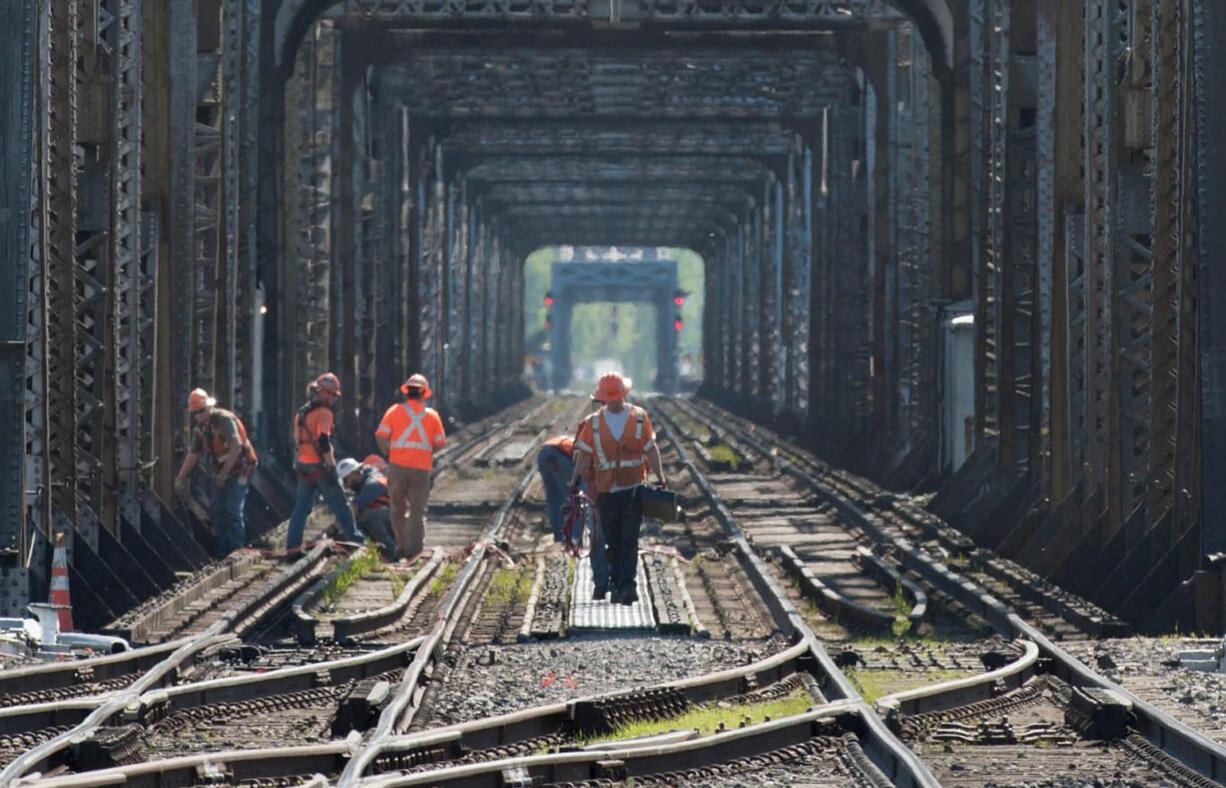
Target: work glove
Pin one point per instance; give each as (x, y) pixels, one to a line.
(181, 488)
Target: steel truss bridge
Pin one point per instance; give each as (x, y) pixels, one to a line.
(239, 194)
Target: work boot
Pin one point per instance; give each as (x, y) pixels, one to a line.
(628, 596)
(599, 592)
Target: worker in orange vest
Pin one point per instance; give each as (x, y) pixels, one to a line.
(618, 444)
(316, 463)
(221, 435)
(556, 464)
(409, 434)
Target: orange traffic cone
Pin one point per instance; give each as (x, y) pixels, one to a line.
(59, 584)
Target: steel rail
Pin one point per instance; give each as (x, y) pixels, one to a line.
(106, 705)
(646, 757)
(402, 707)
(959, 692)
(517, 726)
(282, 680)
(893, 758)
(345, 628)
(62, 675)
(1168, 734)
(119, 701)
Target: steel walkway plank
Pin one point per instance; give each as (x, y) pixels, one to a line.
(587, 615)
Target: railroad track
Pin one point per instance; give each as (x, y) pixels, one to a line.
(847, 569)
(1061, 732)
(231, 598)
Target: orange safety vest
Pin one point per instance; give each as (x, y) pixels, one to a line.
(216, 446)
(375, 461)
(412, 435)
(306, 432)
(565, 443)
(617, 463)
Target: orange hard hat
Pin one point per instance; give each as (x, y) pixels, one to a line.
(611, 388)
(417, 381)
(199, 399)
(329, 382)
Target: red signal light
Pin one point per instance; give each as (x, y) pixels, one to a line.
(678, 325)
(549, 298)
(678, 300)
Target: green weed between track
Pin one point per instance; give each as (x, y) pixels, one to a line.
(707, 719)
(357, 568)
(876, 684)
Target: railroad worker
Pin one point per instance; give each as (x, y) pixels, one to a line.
(555, 461)
(409, 434)
(618, 444)
(375, 461)
(221, 435)
(316, 462)
(370, 502)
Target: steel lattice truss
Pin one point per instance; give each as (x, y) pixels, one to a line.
(559, 83)
(697, 13)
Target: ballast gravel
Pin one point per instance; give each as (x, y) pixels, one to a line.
(491, 680)
(1150, 668)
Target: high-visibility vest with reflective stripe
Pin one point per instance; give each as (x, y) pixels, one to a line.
(412, 435)
(617, 463)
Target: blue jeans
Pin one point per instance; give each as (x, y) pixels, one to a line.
(226, 513)
(305, 495)
(556, 471)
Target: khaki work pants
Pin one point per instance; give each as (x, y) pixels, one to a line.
(408, 489)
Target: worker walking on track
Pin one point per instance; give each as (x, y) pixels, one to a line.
(316, 463)
(409, 434)
(618, 444)
(370, 501)
(222, 436)
(556, 463)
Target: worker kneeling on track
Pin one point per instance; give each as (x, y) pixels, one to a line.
(221, 435)
(370, 501)
(618, 443)
(409, 434)
(316, 462)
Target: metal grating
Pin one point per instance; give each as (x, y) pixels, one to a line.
(587, 615)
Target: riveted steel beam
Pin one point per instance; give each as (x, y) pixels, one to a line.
(821, 14)
(1101, 91)
(59, 226)
(678, 169)
(1210, 70)
(503, 82)
(17, 41)
(500, 138)
(128, 388)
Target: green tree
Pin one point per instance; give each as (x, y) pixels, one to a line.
(633, 343)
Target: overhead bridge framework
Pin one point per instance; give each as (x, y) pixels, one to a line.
(240, 194)
(650, 280)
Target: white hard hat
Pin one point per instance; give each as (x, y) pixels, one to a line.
(346, 467)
